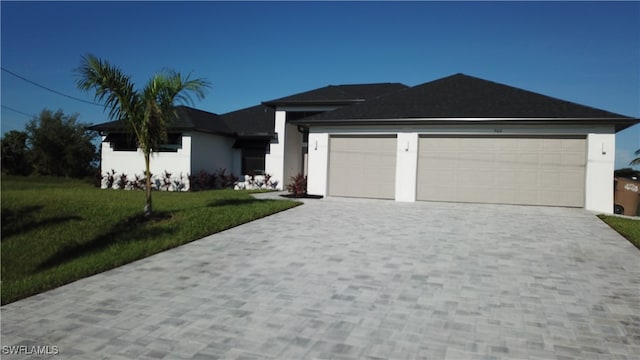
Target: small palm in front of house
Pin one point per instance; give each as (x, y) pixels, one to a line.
(148, 111)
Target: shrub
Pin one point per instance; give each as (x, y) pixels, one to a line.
(178, 184)
(298, 185)
(138, 183)
(207, 180)
(122, 181)
(252, 179)
(203, 181)
(166, 181)
(226, 181)
(110, 178)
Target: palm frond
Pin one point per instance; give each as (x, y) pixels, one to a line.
(112, 87)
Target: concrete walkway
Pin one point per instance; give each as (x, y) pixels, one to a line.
(358, 279)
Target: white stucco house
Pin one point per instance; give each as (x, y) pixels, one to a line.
(458, 138)
(198, 141)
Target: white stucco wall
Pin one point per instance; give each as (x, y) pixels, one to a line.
(131, 163)
(211, 152)
(200, 151)
(274, 159)
(406, 166)
(598, 172)
(317, 163)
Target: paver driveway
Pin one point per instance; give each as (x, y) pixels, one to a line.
(346, 279)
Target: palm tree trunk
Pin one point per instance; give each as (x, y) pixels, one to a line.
(147, 199)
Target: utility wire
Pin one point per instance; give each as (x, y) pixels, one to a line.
(48, 89)
(18, 111)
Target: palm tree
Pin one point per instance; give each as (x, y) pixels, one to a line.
(635, 161)
(148, 112)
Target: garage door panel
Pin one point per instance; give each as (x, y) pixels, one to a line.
(572, 180)
(576, 160)
(526, 170)
(570, 145)
(507, 157)
(362, 166)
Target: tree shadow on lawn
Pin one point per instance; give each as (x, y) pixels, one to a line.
(132, 229)
(229, 202)
(23, 220)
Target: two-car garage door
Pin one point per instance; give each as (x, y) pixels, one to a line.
(507, 170)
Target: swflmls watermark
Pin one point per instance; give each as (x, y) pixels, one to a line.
(30, 350)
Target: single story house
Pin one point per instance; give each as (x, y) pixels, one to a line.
(459, 138)
(197, 141)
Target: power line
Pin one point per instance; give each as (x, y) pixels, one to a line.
(48, 89)
(18, 111)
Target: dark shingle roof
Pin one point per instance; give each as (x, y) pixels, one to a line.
(199, 120)
(257, 120)
(338, 94)
(462, 97)
(188, 119)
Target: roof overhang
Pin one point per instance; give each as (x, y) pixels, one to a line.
(306, 103)
(119, 127)
(112, 126)
(258, 136)
(254, 140)
(618, 123)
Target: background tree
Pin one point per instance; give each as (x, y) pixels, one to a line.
(15, 153)
(148, 111)
(59, 145)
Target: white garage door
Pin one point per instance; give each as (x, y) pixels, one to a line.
(362, 166)
(512, 170)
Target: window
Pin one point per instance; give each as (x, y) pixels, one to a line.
(127, 142)
(174, 142)
(253, 161)
(121, 142)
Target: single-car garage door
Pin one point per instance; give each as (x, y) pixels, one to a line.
(362, 166)
(504, 170)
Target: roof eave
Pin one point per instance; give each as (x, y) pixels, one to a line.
(276, 103)
(202, 130)
(619, 123)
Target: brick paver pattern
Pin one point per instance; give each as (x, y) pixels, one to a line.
(358, 279)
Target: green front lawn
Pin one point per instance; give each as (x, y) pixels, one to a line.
(628, 228)
(55, 231)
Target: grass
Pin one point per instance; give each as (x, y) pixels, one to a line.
(56, 231)
(629, 228)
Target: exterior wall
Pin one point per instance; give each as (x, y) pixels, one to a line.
(211, 152)
(274, 159)
(200, 151)
(598, 172)
(318, 163)
(236, 162)
(406, 167)
(131, 163)
(284, 158)
(292, 153)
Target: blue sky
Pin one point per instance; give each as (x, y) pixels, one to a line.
(585, 52)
